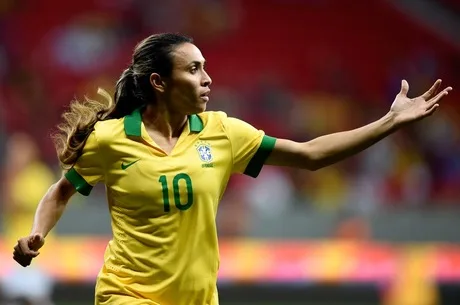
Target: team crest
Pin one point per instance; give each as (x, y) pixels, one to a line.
(205, 153)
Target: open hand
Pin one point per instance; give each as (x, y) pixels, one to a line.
(27, 248)
(406, 110)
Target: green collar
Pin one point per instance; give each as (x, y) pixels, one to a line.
(133, 123)
(195, 123)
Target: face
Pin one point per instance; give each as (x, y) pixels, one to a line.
(187, 89)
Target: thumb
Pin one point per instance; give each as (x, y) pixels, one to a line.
(404, 88)
(36, 241)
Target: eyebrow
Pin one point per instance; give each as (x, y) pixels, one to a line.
(197, 63)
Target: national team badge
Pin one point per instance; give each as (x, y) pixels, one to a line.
(204, 152)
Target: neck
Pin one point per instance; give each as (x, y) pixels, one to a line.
(162, 120)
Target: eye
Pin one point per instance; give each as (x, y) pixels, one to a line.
(193, 70)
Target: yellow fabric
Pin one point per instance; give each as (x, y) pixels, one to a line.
(245, 141)
(90, 163)
(163, 207)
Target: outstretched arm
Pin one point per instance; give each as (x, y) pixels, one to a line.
(329, 149)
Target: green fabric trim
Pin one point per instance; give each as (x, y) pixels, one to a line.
(133, 123)
(257, 162)
(78, 182)
(195, 123)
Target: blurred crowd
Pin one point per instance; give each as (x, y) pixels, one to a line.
(296, 69)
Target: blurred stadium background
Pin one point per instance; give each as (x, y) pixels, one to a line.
(380, 228)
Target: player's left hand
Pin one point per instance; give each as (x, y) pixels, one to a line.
(405, 110)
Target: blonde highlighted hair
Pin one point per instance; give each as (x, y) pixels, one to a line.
(78, 122)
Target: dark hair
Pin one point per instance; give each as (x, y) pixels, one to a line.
(133, 90)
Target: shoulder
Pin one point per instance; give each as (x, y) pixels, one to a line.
(215, 118)
(212, 116)
(225, 122)
(108, 125)
(106, 131)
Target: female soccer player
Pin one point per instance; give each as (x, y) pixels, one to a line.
(166, 162)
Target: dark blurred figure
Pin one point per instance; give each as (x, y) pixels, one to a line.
(25, 179)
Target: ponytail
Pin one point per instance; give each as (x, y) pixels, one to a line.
(128, 95)
(78, 122)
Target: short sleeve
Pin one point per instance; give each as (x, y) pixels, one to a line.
(88, 169)
(250, 146)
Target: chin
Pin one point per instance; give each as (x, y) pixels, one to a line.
(197, 109)
(201, 107)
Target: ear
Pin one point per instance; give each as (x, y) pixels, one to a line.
(157, 82)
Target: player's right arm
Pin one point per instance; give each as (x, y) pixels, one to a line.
(48, 213)
(51, 206)
(86, 172)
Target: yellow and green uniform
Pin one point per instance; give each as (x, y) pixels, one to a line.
(163, 207)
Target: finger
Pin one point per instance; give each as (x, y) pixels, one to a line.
(22, 260)
(23, 244)
(432, 109)
(439, 96)
(432, 91)
(33, 254)
(18, 250)
(404, 88)
(36, 238)
(36, 242)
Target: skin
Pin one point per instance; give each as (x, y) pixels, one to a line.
(332, 148)
(182, 94)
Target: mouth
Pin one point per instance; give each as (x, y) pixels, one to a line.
(205, 95)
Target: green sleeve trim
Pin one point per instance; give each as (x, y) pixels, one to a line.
(257, 162)
(78, 182)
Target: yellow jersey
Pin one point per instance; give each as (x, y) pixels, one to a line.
(163, 206)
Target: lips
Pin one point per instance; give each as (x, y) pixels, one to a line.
(206, 93)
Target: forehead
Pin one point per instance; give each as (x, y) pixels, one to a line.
(185, 54)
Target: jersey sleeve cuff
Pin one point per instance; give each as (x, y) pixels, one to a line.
(257, 162)
(78, 182)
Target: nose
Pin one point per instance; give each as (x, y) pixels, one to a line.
(207, 81)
